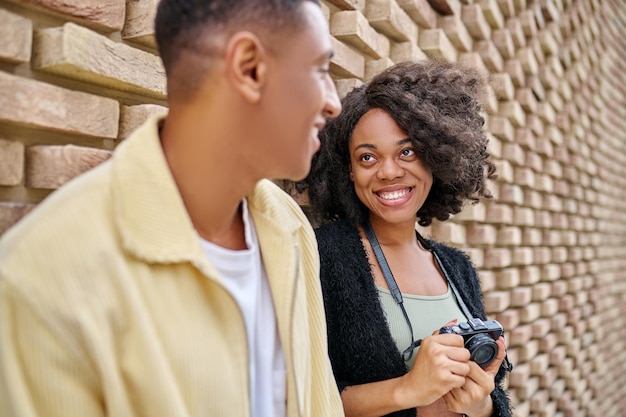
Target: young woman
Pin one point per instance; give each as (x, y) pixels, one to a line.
(409, 146)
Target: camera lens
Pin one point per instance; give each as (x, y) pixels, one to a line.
(483, 349)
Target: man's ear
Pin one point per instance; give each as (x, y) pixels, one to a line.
(246, 65)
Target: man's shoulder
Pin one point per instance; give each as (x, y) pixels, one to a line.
(67, 221)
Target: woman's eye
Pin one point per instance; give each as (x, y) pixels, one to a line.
(408, 152)
(367, 158)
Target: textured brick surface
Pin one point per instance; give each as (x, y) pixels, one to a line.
(11, 213)
(11, 162)
(50, 167)
(105, 15)
(15, 37)
(34, 103)
(548, 246)
(139, 22)
(131, 117)
(77, 52)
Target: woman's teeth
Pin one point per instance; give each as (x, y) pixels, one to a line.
(394, 195)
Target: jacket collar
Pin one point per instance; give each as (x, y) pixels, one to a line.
(149, 211)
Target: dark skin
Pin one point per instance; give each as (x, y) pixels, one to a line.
(391, 181)
(225, 138)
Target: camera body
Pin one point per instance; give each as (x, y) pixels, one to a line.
(480, 338)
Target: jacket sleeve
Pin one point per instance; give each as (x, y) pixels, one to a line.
(41, 373)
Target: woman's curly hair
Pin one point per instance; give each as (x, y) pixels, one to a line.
(438, 105)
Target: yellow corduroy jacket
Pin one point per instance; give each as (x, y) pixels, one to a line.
(109, 307)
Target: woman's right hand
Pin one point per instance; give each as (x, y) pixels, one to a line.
(441, 364)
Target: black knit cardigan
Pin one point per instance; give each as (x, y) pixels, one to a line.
(360, 345)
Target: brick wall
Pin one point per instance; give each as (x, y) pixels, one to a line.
(76, 76)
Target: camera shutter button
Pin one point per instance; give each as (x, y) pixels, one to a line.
(464, 326)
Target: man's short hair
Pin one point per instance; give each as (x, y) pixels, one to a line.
(188, 27)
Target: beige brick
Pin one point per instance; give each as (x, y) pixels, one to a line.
(499, 213)
(498, 258)
(550, 10)
(525, 177)
(502, 85)
(481, 234)
(50, 166)
(526, 99)
(449, 232)
(528, 60)
(345, 61)
(508, 278)
(391, 20)
(503, 40)
(519, 376)
(15, 37)
(131, 117)
(534, 83)
(107, 15)
(490, 55)
(435, 43)
(473, 212)
(531, 237)
(507, 7)
(509, 319)
(456, 31)
(406, 51)
(514, 68)
(492, 12)
(527, 140)
(473, 59)
(514, 25)
(528, 351)
(348, 4)
(376, 66)
(514, 112)
(527, 391)
(421, 12)
(352, 27)
(540, 327)
(549, 307)
(514, 153)
(548, 79)
(530, 312)
(75, 52)
(523, 216)
(497, 301)
(478, 259)
(511, 194)
(11, 213)
(37, 104)
(473, 17)
(520, 335)
(546, 112)
(502, 128)
(528, 22)
(11, 162)
(139, 22)
(549, 45)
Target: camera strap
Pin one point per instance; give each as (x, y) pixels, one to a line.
(393, 286)
(397, 294)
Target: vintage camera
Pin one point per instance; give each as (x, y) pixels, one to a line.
(480, 338)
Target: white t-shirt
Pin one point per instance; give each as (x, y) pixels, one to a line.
(246, 280)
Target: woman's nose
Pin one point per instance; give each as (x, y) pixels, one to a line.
(389, 170)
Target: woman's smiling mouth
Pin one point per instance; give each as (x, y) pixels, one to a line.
(394, 195)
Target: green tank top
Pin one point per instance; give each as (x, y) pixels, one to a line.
(427, 314)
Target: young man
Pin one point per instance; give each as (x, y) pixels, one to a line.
(174, 279)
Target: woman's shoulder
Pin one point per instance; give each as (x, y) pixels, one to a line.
(336, 231)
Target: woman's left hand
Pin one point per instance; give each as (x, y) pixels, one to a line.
(473, 397)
